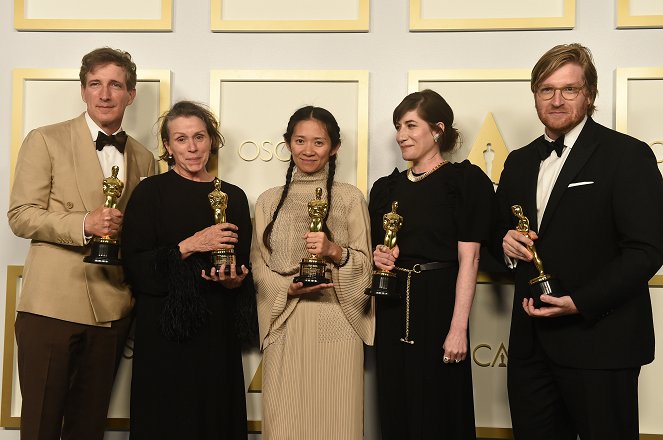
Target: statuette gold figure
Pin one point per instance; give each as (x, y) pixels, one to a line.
(543, 284)
(384, 282)
(106, 250)
(312, 269)
(218, 201)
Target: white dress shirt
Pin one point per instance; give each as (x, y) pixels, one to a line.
(549, 170)
(109, 156)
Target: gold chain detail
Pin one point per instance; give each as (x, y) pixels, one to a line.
(416, 269)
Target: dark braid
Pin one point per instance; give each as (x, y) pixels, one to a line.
(330, 183)
(268, 230)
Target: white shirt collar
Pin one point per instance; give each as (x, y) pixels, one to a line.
(94, 128)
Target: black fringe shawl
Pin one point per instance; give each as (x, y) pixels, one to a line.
(185, 311)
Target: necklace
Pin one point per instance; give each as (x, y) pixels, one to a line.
(416, 178)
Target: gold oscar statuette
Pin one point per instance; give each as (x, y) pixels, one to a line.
(106, 250)
(543, 284)
(218, 200)
(312, 269)
(383, 283)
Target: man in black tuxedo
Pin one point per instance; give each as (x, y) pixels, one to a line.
(595, 200)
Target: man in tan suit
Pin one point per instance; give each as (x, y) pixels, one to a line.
(73, 317)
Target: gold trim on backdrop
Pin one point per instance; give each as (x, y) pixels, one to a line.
(489, 141)
(495, 278)
(625, 20)
(418, 23)
(465, 75)
(20, 76)
(495, 433)
(14, 274)
(254, 426)
(652, 146)
(353, 76)
(256, 383)
(623, 76)
(416, 77)
(23, 23)
(219, 24)
(7, 420)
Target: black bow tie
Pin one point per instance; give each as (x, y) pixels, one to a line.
(118, 140)
(545, 147)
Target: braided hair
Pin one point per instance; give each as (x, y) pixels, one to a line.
(334, 132)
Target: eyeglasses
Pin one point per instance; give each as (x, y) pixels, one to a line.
(569, 92)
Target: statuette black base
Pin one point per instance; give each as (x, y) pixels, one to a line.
(544, 285)
(312, 272)
(104, 251)
(383, 284)
(223, 256)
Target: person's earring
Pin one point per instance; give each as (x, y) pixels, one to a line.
(436, 137)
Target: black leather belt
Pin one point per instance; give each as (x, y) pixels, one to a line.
(418, 268)
(434, 265)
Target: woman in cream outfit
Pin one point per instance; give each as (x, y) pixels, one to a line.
(312, 337)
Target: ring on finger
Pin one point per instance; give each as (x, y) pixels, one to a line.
(446, 359)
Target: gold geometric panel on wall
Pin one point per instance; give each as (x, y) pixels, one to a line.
(483, 100)
(290, 15)
(255, 156)
(256, 383)
(93, 15)
(34, 91)
(639, 106)
(489, 151)
(451, 15)
(639, 14)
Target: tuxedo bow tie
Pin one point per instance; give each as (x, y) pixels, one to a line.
(118, 140)
(545, 147)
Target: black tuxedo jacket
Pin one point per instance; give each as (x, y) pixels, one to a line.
(602, 236)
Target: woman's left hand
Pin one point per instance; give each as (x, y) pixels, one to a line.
(230, 281)
(318, 244)
(455, 347)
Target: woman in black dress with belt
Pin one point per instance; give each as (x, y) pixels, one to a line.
(422, 340)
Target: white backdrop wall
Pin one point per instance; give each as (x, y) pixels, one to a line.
(388, 51)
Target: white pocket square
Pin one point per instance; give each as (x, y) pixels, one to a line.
(143, 177)
(571, 185)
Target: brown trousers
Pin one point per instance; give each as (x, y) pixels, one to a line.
(66, 371)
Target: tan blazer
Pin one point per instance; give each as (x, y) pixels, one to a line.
(58, 180)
